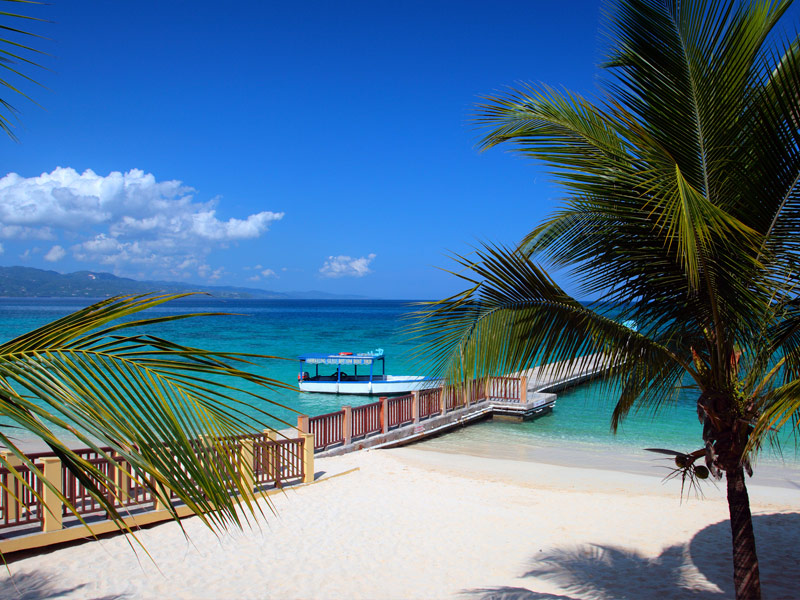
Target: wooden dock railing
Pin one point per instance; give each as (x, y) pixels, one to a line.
(364, 420)
(430, 402)
(24, 513)
(351, 424)
(400, 410)
(328, 429)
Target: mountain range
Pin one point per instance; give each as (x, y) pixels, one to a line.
(27, 282)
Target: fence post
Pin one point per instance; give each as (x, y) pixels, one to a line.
(302, 424)
(12, 509)
(272, 457)
(523, 389)
(247, 464)
(52, 507)
(415, 406)
(384, 414)
(159, 504)
(308, 457)
(122, 478)
(347, 425)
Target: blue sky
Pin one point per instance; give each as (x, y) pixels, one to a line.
(285, 146)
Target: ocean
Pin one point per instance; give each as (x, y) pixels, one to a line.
(288, 328)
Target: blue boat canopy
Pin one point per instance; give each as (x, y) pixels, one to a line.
(343, 358)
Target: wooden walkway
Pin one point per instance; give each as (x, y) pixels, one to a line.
(425, 413)
(35, 515)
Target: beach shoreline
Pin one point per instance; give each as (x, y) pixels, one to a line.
(417, 522)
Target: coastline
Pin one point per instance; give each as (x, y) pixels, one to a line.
(769, 470)
(417, 522)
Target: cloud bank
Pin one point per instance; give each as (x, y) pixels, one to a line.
(128, 221)
(346, 266)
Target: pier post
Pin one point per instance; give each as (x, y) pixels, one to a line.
(271, 457)
(308, 457)
(384, 414)
(123, 476)
(247, 464)
(12, 509)
(159, 503)
(415, 406)
(302, 424)
(443, 399)
(347, 425)
(523, 389)
(52, 507)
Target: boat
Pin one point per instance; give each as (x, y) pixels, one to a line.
(363, 374)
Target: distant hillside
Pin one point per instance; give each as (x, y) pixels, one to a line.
(27, 282)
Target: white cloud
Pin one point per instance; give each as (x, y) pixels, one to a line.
(2, 249)
(265, 273)
(346, 266)
(125, 220)
(25, 233)
(55, 254)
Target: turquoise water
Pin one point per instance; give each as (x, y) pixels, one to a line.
(289, 328)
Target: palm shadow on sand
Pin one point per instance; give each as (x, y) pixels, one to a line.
(35, 585)
(595, 571)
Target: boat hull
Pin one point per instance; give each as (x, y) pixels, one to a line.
(392, 384)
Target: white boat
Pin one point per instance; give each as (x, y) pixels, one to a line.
(340, 374)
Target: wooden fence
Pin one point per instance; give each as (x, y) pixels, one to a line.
(365, 420)
(344, 426)
(272, 462)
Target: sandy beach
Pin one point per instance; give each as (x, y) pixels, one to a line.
(417, 523)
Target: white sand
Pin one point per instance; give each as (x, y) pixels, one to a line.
(413, 523)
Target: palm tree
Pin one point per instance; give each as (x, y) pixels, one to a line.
(163, 408)
(681, 214)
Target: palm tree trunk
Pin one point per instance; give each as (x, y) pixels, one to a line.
(745, 562)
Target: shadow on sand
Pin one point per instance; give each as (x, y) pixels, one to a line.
(699, 570)
(39, 586)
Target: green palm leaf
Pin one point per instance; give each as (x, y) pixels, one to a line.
(515, 316)
(12, 53)
(164, 408)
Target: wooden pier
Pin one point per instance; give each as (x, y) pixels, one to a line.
(35, 515)
(400, 420)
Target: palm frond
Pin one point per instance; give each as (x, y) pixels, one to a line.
(781, 406)
(514, 316)
(162, 407)
(13, 52)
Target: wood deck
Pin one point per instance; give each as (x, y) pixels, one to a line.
(496, 398)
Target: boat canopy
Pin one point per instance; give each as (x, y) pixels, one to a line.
(343, 358)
